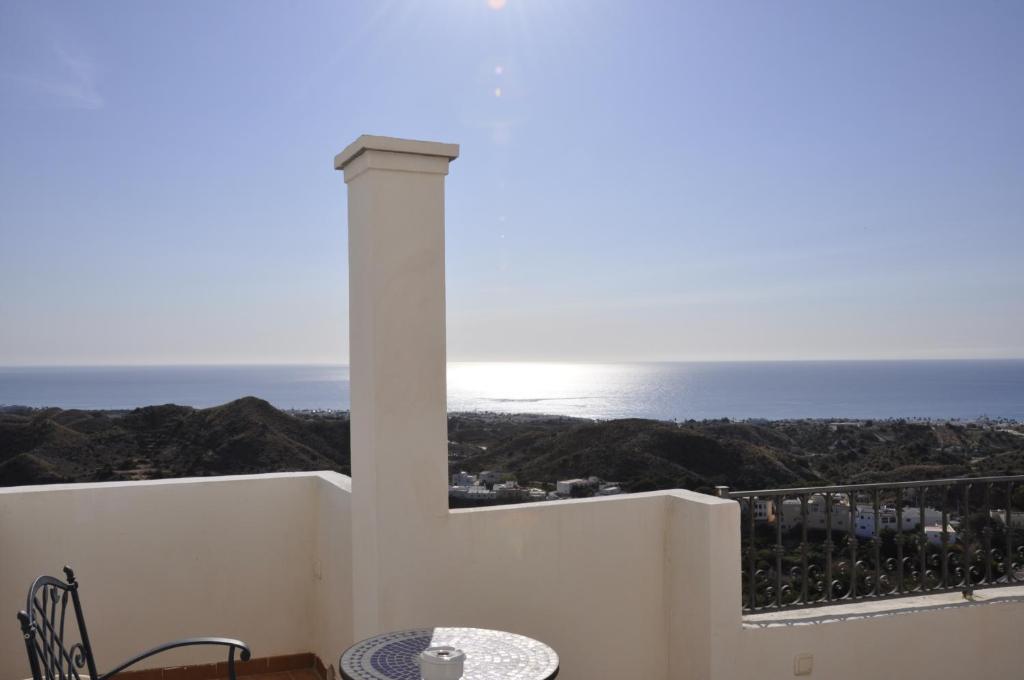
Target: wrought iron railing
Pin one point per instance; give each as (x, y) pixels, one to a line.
(834, 544)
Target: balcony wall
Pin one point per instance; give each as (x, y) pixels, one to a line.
(934, 636)
(160, 560)
(267, 559)
(645, 585)
(649, 586)
(591, 577)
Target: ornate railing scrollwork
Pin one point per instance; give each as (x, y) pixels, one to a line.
(820, 545)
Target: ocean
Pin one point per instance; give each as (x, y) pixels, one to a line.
(737, 390)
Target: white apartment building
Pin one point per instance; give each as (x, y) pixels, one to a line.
(889, 519)
(934, 534)
(1016, 518)
(864, 517)
(764, 510)
(491, 476)
(792, 515)
(565, 486)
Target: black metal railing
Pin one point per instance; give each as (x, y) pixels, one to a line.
(834, 544)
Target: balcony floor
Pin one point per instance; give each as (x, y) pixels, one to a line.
(200, 673)
(304, 674)
(291, 667)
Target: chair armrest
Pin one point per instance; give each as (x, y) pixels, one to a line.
(232, 645)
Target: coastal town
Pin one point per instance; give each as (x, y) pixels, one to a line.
(491, 487)
(792, 513)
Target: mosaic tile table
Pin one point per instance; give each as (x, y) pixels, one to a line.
(490, 655)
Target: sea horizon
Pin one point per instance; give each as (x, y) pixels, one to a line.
(935, 389)
(271, 364)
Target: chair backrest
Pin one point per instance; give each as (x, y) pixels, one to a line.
(54, 652)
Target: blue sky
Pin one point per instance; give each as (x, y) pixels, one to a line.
(638, 180)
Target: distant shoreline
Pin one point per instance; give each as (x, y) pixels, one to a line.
(525, 361)
(534, 417)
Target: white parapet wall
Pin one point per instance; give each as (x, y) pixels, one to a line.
(267, 559)
(332, 569)
(262, 558)
(939, 637)
(585, 576)
(620, 587)
(643, 585)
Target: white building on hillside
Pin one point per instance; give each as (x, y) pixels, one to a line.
(492, 476)
(1016, 517)
(864, 516)
(510, 492)
(792, 514)
(934, 534)
(566, 486)
(764, 510)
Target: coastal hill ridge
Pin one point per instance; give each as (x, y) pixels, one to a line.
(249, 435)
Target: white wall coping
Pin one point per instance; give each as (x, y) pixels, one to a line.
(683, 494)
(335, 478)
(883, 607)
(394, 145)
(344, 482)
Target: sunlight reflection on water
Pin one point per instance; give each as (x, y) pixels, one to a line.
(585, 390)
(823, 389)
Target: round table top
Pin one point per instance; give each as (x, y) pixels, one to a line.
(490, 655)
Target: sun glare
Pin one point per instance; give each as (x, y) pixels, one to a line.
(496, 4)
(515, 380)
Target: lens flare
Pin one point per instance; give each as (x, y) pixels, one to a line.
(496, 4)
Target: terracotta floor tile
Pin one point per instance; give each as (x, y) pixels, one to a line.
(284, 675)
(305, 674)
(318, 666)
(186, 673)
(290, 662)
(150, 674)
(251, 667)
(296, 667)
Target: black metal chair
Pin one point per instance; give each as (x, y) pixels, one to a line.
(52, 658)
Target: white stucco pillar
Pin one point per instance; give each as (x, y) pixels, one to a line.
(397, 359)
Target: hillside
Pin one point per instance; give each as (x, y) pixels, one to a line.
(39, 446)
(647, 454)
(244, 436)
